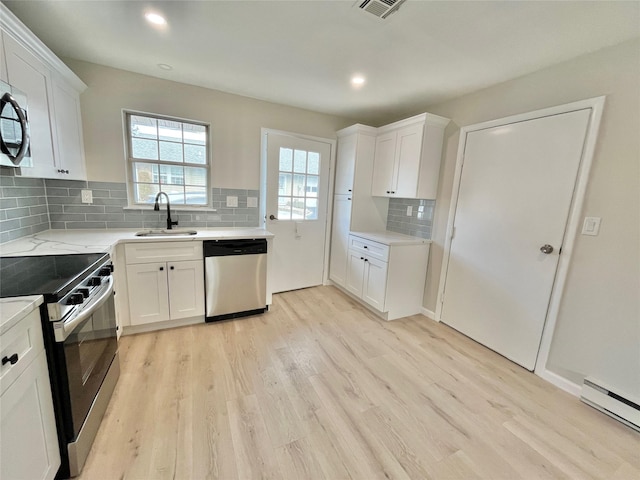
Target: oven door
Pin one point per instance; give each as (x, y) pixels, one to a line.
(89, 342)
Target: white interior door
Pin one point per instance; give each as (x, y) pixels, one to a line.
(297, 190)
(514, 199)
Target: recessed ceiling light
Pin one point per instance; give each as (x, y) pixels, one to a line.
(164, 66)
(357, 80)
(155, 18)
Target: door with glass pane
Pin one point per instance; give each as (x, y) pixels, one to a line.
(297, 185)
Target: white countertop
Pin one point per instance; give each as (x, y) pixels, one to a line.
(12, 310)
(391, 238)
(61, 242)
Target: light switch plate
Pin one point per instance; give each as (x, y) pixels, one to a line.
(409, 210)
(232, 201)
(591, 226)
(87, 196)
(252, 202)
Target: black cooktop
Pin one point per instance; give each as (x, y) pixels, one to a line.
(50, 275)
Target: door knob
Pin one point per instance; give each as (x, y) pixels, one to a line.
(272, 217)
(546, 249)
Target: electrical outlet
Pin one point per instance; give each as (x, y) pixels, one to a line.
(591, 226)
(87, 196)
(232, 201)
(252, 202)
(409, 210)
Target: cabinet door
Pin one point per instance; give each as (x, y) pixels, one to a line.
(345, 164)
(374, 287)
(69, 146)
(186, 289)
(408, 156)
(355, 273)
(340, 239)
(30, 75)
(383, 165)
(148, 293)
(29, 446)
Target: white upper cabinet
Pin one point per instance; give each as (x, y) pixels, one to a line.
(407, 157)
(3, 62)
(53, 102)
(346, 164)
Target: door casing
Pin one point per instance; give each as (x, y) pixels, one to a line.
(596, 105)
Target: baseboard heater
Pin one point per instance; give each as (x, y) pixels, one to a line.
(615, 404)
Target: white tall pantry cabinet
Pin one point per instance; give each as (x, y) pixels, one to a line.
(353, 206)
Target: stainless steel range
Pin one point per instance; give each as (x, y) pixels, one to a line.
(79, 327)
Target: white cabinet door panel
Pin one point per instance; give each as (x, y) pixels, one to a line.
(407, 166)
(30, 75)
(345, 164)
(340, 239)
(383, 166)
(69, 147)
(186, 289)
(148, 293)
(355, 273)
(374, 287)
(28, 443)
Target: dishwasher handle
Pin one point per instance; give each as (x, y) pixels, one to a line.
(221, 248)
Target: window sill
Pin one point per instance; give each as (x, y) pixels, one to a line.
(163, 207)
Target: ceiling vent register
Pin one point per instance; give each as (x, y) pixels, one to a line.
(380, 8)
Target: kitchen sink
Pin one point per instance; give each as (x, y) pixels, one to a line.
(159, 232)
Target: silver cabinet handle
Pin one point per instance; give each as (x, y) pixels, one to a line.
(546, 249)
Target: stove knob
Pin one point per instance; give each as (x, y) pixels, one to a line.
(75, 299)
(84, 291)
(105, 271)
(95, 281)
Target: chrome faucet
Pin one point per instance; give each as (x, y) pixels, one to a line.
(156, 207)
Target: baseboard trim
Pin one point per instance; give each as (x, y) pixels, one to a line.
(428, 313)
(560, 382)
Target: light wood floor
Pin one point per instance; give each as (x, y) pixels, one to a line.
(318, 388)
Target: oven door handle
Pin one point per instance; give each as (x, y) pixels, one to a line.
(62, 330)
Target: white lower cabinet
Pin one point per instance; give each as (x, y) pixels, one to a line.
(28, 439)
(159, 291)
(388, 278)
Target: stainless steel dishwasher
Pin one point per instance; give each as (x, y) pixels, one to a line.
(235, 278)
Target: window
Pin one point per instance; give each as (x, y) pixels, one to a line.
(169, 155)
(298, 184)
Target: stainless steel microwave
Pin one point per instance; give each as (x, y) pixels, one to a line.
(14, 127)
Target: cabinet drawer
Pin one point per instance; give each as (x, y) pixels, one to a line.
(152, 252)
(372, 249)
(24, 339)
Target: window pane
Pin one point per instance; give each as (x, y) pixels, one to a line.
(284, 208)
(175, 193)
(297, 208)
(168, 130)
(298, 185)
(195, 176)
(143, 127)
(145, 193)
(196, 195)
(196, 134)
(171, 152)
(145, 172)
(300, 161)
(172, 175)
(313, 165)
(312, 186)
(311, 212)
(195, 154)
(286, 159)
(146, 149)
(284, 184)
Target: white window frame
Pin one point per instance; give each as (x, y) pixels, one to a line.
(130, 161)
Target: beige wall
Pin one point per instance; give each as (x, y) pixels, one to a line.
(235, 122)
(598, 328)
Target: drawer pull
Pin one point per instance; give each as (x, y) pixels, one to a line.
(364, 246)
(13, 359)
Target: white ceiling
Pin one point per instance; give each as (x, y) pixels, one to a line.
(303, 53)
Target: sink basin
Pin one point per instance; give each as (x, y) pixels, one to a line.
(161, 232)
